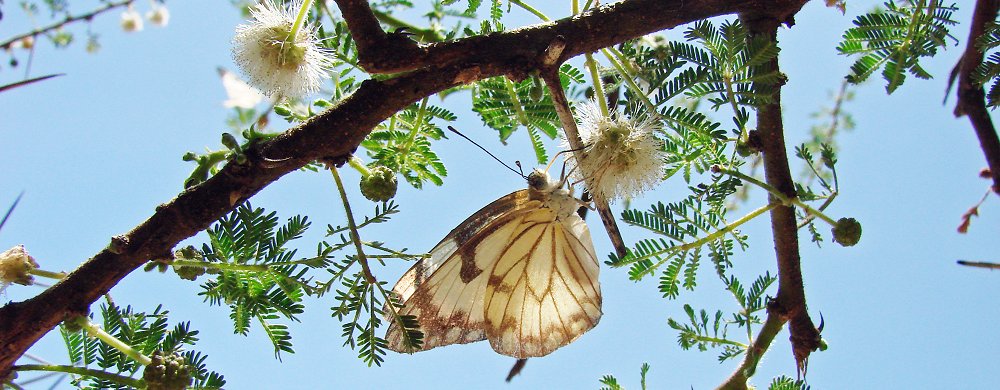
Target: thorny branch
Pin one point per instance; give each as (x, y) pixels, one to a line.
(971, 97)
(789, 305)
(337, 132)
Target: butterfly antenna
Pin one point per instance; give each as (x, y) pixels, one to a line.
(519, 167)
(488, 152)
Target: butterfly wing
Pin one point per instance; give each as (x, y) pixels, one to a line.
(543, 292)
(445, 291)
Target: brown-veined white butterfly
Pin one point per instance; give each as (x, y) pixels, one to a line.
(521, 272)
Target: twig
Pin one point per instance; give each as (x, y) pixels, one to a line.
(971, 98)
(979, 264)
(69, 19)
(551, 77)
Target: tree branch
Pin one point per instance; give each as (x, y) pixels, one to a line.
(334, 135)
(971, 98)
(378, 51)
(790, 302)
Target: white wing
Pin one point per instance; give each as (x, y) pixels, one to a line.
(445, 291)
(543, 292)
(513, 273)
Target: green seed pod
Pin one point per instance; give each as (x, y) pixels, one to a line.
(379, 185)
(847, 232)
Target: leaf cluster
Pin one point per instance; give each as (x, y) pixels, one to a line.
(506, 106)
(895, 39)
(989, 70)
(146, 333)
(255, 274)
(362, 300)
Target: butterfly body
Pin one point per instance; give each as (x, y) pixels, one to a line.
(521, 272)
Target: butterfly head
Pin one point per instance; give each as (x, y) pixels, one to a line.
(540, 180)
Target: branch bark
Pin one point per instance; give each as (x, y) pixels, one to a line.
(334, 135)
(789, 305)
(971, 98)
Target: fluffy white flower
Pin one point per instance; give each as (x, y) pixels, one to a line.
(159, 15)
(276, 63)
(15, 267)
(621, 156)
(131, 20)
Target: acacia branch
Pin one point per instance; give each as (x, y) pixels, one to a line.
(333, 135)
(971, 97)
(789, 305)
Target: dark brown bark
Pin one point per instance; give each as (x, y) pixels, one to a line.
(971, 98)
(335, 134)
(790, 301)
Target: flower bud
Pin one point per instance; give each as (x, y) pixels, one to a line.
(379, 185)
(847, 232)
(167, 372)
(16, 266)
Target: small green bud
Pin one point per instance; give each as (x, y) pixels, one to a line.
(75, 324)
(230, 141)
(379, 185)
(189, 156)
(743, 149)
(282, 111)
(170, 372)
(537, 91)
(847, 232)
(187, 272)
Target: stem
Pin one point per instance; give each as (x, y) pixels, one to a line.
(785, 200)
(47, 274)
(358, 165)
(299, 20)
(772, 326)
(415, 128)
(709, 238)
(515, 102)
(561, 104)
(628, 76)
(222, 266)
(602, 101)
(87, 16)
(113, 341)
(425, 34)
(531, 9)
(84, 371)
(355, 237)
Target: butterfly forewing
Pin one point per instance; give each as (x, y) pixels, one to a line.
(520, 272)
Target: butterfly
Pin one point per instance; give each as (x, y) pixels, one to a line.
(521, 273)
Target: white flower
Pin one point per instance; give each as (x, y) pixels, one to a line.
(621, 157)
(131, 21)
(276, 63)
(159, 15)
(15, 267)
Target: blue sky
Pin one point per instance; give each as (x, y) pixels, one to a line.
(96, 150)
